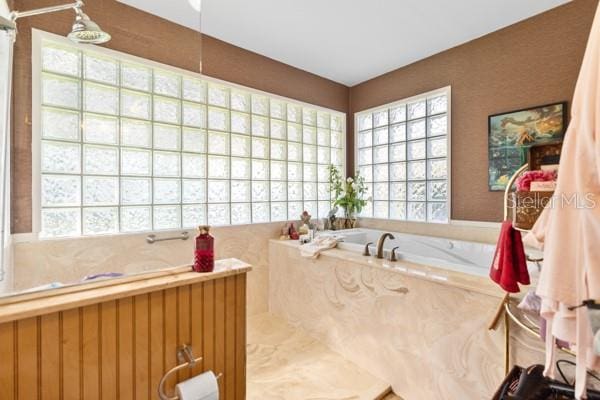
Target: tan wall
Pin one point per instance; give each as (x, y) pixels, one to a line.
(531, 63)
(144, 35)
(122, 348)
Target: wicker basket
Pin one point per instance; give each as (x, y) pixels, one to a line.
(542, 154)
(527, 207)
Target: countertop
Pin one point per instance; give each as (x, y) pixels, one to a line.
(442, 276)
(40, 303)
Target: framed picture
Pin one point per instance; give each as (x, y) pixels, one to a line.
(511, 134)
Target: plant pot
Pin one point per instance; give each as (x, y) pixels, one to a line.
(345, 223)
(350, 223)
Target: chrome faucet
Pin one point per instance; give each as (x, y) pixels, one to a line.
(380, 243)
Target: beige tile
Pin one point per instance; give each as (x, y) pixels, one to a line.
(486, 232)
(429, 339)
(286, 363)
(391, 396)
(69, 260)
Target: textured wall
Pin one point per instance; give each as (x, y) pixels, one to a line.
(530, 63)
(144, 35)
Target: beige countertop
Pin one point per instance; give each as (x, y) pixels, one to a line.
(40, 303)
(442, 276)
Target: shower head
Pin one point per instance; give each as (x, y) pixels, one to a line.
(86, 31)
(6, 24)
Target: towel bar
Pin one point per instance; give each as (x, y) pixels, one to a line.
(186, 358)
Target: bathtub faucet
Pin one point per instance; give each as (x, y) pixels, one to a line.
(380, 243)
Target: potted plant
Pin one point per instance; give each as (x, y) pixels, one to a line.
(348, 194)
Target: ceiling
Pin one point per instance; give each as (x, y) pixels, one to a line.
(347, 41)
(182, 12)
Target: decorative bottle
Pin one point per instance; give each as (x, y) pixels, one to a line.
(204, 254)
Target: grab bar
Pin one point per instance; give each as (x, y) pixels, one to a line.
(186, 357)
(152, 238)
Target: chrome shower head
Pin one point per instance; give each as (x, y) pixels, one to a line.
(86, 31)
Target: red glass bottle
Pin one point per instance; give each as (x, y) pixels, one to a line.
(204, 254)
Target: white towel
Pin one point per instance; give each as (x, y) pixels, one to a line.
(313, 249)
(569, 227)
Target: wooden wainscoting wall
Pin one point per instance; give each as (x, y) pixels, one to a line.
(120, 349)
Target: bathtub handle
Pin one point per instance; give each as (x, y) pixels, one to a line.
(393, 254)
(152, 238)
(366, 252)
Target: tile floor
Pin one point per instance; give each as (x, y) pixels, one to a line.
(285, 363)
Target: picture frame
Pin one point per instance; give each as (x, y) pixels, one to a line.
(512, 133)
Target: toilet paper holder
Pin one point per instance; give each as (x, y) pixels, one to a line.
(186, 360)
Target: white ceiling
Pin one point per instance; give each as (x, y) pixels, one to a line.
(348, 41)
(182, 12)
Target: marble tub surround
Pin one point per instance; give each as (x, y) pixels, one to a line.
(69, 260)
(286, 363)
(422, 329)
(476, 283)
(481, 232)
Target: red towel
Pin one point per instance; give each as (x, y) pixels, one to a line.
(510, 264)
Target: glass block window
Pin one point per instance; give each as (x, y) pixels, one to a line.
(128, 145)
(402, 151)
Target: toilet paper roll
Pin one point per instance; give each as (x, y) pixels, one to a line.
(200, 387)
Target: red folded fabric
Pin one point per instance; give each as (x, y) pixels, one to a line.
(509, 267)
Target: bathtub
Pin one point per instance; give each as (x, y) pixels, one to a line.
(420, 324)
(456, 255)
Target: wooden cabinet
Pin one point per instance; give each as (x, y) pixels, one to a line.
(120, 348)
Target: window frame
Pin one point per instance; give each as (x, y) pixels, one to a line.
(447, 90)
(39, 37)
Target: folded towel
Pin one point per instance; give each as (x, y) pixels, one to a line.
(510, 265)
(313, 249)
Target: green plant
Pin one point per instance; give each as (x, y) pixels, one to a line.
(349, 194)
(335, 183)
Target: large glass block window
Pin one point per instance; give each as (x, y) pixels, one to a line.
(130, 146)
(402, 151)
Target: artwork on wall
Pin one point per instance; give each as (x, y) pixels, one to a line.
(511, 134)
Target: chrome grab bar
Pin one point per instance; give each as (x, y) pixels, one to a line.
(152, 237)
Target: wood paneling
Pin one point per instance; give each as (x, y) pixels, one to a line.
(119, 349)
